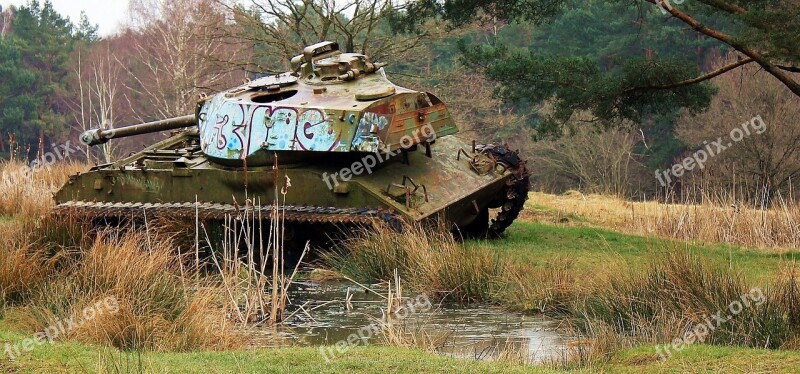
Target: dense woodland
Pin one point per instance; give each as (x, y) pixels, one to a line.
(599, 95)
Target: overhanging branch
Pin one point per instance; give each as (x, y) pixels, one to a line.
(793, 69)
(730, 8)
(699, 79)
(775, 71)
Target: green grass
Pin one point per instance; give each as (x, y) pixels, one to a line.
(591, 249)
(706, 359)
(82, 358)
(73, 357)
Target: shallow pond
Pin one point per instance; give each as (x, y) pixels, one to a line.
(473, 331)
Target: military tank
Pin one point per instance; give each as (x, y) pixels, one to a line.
(354, 147)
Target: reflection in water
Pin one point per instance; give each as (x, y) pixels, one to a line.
(479, 332)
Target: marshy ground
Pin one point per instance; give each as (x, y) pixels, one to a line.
(623, 277)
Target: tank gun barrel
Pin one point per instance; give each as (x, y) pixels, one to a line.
(100, 136)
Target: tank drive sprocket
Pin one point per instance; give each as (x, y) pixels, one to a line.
(507, 202)
(515, 192)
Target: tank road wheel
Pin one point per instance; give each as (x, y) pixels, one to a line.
(511, 199)
(392, 221)
(477, 229)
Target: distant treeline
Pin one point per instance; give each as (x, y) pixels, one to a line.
(587, 90)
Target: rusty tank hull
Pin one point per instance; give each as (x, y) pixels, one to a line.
(353, 147)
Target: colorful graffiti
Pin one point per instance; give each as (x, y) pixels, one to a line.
(369, 125)
(235, 130)
(370, 120)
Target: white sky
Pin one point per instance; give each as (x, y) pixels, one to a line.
(106, 13)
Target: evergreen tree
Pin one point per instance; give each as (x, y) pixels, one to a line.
(621, 80)
(86, 31)
(35, 59)
(17, 104)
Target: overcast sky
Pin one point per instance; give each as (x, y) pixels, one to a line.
(106, 13)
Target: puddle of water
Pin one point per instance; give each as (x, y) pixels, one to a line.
(475, 331)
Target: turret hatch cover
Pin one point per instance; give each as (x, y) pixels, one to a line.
(375, 93)
(281, 80)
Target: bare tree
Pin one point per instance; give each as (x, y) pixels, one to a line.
(175, 54)
(595, 160)
(98, 74)
(284, 27)
(6, 16)
(760, 165)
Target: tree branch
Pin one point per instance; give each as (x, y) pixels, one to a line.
(730, 8)
(776, 72)
(699, 79)
(793, 69)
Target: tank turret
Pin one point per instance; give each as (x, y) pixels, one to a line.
(330, 102)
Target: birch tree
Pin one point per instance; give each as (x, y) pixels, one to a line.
(175, 55)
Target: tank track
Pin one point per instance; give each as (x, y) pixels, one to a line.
(215, 211)
(515, 192)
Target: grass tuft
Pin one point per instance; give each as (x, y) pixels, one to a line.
(679, 292)
(426, 258)
(153, 307)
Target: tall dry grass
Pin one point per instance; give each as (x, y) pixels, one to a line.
(156, 308)
(27, 193)
(717, 218)
(617, 308)
(672, 295)
(550, 288)
(22, 266)
(26, 197)
(677, 294)
(426, 258)
(52, 269)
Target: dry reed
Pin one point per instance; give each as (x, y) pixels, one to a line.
(718, 218)
(27, 193)
(155, 307)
